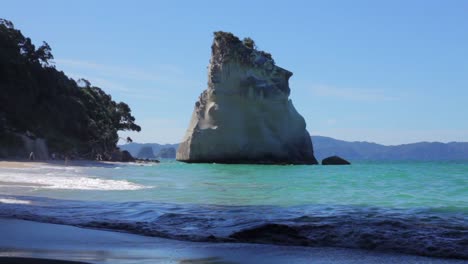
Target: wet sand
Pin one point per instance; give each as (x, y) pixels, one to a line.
(16, 260)
(50, 241)
(18, 164)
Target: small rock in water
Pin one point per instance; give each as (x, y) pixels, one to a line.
(335, 160)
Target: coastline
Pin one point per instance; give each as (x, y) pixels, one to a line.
(19, 164)
(31, 240)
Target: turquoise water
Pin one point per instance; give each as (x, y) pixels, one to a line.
(410, 207)
(396, 185)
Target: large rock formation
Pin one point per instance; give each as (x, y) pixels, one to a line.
(245, 115)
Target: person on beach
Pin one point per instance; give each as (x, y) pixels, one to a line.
(31, 156)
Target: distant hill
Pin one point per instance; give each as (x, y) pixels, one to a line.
(145, 152)
(134, 148)
(362, 150)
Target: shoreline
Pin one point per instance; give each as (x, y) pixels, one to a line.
(29, 239)
(21, 164)
(25, 260)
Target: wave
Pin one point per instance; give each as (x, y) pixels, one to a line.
(417, 231)
(64, 181)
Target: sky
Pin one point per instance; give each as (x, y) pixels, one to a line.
(390, 72)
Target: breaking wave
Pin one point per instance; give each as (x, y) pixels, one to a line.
(436, 232)
(65, 182)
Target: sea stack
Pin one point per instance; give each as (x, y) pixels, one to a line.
(245, 115)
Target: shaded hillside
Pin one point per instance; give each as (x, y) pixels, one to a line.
(38, 101)
(325, 146)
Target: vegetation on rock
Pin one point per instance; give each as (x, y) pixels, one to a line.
(231, 46)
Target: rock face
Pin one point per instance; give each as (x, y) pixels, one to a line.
(127, 157)
(124, 156)
(245, 115)
(335, 160)
(36, 145)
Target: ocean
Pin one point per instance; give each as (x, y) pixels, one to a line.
(416, 208)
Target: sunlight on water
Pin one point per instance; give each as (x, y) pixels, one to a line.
(413, 207)
(399, 185)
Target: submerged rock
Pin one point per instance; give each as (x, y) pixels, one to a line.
(335, 160)
(245, 115)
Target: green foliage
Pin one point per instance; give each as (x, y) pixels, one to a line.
(74, 117)
(249, 43)
(226, 36)
(230, 46)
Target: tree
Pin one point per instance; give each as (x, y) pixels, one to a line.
(44, 54)
(83, 83)
(126, 121)
(8, 24)
(73, 116)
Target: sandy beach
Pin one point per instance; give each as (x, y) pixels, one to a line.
(27, 239)
(15, 164)
(18, 164)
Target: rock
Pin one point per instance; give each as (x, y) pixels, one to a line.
(35, 145)
(115, 155)
(167, 153)
(335, 160)
(146, 152)
(245, 115)
(123, 156)
(127, 157)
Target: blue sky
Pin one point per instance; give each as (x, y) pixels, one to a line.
(390, 72)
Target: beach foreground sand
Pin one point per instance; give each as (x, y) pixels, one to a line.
(28, 239)
(20, 260)
(18, 164)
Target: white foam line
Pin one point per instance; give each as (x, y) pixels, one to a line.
(67, 182)
(14, 201)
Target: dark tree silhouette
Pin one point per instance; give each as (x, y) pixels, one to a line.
(74, 117)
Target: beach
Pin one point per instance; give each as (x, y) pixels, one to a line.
(28, 239)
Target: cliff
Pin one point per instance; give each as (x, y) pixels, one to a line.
(245, 115)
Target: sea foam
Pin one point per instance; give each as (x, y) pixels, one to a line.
(66, 178)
